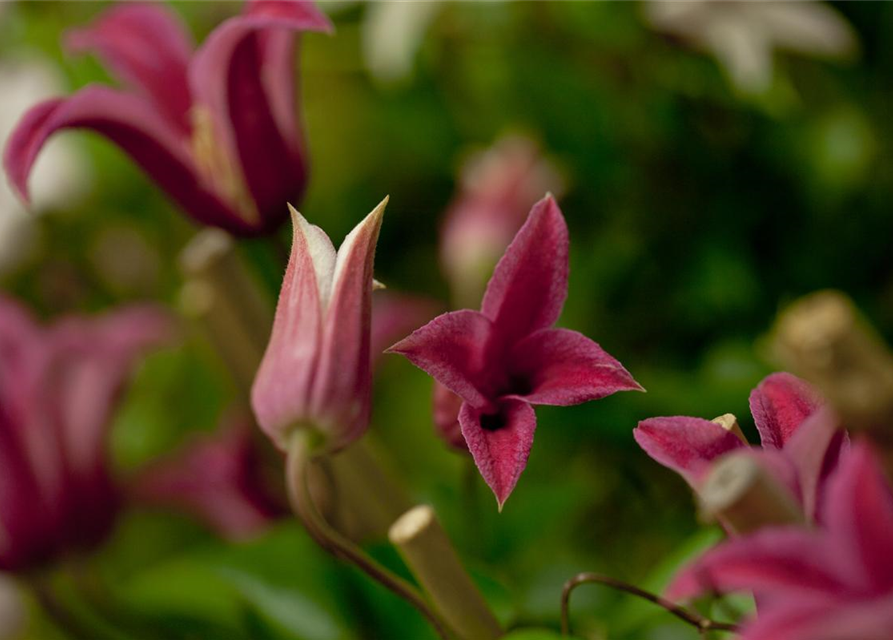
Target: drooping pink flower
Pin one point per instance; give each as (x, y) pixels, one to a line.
(833, 583)
(217, 478)
(58, 390)
(507, 357)
(316, 370)
(497, 189)
(801, 439)
(217, 129)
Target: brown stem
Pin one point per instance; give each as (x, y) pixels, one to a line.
(300, 456)
(693, 618)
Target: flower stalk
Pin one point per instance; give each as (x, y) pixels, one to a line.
(427, 551)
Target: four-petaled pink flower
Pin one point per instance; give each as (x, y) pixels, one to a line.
(834, 583)
(316, 372)
(217, 129)
(507, 357)
(58, 390)
(801, 439)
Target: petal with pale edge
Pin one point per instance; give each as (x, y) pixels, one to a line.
(147, 47)
(499, 443)
(563, 367)
(529, 285)
(815, 449)
(134, 125)
(780, 404)
(281, 390)
(773, 562)
(859, 515)
(685, 445)
(452, 350)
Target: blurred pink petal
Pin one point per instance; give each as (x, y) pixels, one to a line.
(446, 406)
(779, 404)
(396, 314)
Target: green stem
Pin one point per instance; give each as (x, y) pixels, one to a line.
(300, 455)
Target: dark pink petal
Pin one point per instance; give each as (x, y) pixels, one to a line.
(148, 48)
(135, 126)
(342, 384)
(529, 285)
(685, 445)
(563, 367)
(815, 449)
(451, 349)
(499, 443)
(242, 77)
(446, 407)
(217, 478)
(772, 562)
(779, 404)
(859, 515)
(794, 617)
(394, 315)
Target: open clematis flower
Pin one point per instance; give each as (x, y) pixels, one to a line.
(507, 356)
(231, 493)
(834, 583)
(801, 439)
(217, 129)
(315, 372)
(58, 390)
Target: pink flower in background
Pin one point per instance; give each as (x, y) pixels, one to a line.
(507, 357)
(218, 478)
(216, 128)
(834, 583)
(316, 372)
(58, 390)
(801, 439)
(497, 189)
(396, 314)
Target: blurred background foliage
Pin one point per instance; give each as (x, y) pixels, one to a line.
(697, 209)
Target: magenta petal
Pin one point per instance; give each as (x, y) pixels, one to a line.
(500, 443)
(563, 367)
(794, 618)
(446, 407)
(779, 404)
(147, 47)
(685, 445)
(529, 285)
(132, 124)
(859, 514)
(451, 349)
(770, 562)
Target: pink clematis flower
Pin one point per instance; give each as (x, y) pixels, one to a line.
(58, 390)
(217, 129)
(507, 357)
(217, 478)
(316, 369)
(801, 439)
(834, 583)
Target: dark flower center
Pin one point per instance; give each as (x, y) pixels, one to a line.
(493, 421)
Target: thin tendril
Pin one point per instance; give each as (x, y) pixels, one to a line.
(701, 623)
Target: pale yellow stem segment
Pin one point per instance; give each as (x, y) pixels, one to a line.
(428, 553)
(740, 493)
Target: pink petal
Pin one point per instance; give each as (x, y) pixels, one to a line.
(795, 617)
(147, 46)
(859, 514)
(815, 449)
(452, 349)
(394, 315)
(230, 493)
(280, 395)
(499, 443)
(446, 407)
(563, 367)
(773, 562)
(779, 404)
(529, 285)
(244, 75)
(342, 384)
(136, 127)
(685, 445)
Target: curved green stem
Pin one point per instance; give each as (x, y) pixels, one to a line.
(300, 454)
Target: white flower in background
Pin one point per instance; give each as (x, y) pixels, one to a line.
(392, 34)
(743, 36)
(60, 176)
(12, 608)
